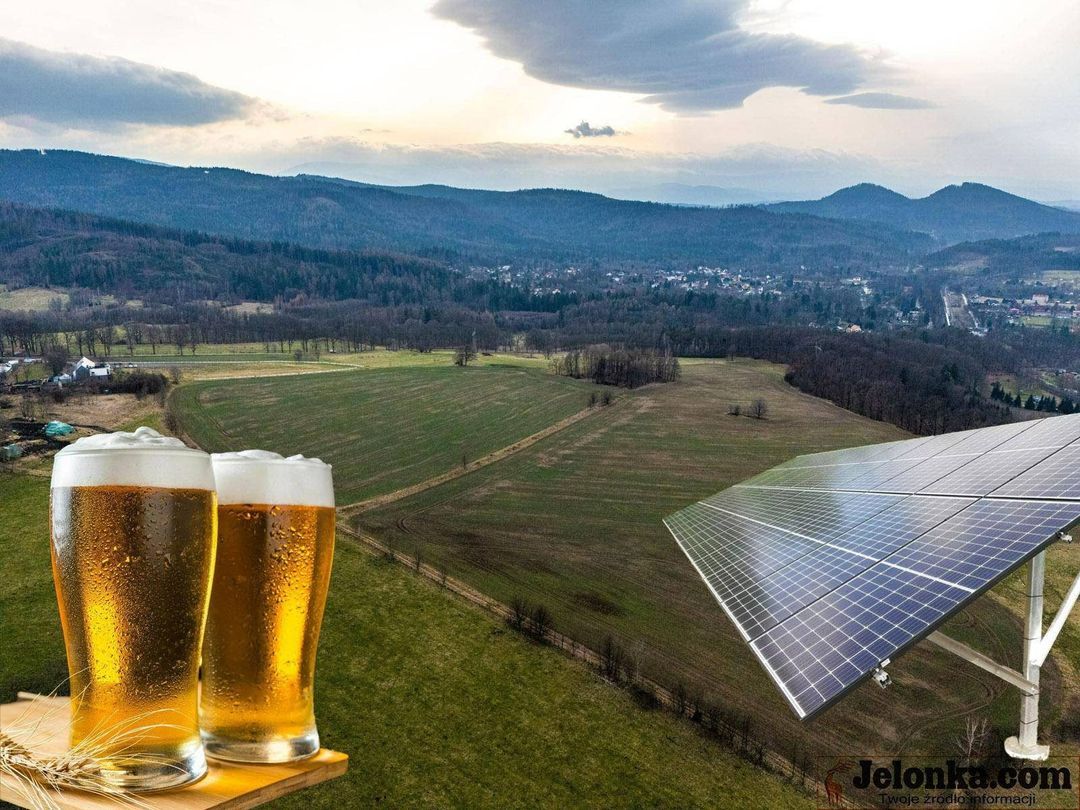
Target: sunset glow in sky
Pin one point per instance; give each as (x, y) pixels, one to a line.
(779, 97)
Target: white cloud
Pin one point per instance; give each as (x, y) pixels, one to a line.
(685, 55)
(70, 89)
(882, 101)
(585, 130)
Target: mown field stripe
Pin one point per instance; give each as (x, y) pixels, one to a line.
(472, 466)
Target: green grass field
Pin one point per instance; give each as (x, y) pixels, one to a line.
(436, 704)
(33, 299)
(167, 353)
(382, 429)
(31, 646)
(574, 523)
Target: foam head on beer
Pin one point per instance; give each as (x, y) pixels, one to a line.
(260, 476)
(144, 458)
(134, 527)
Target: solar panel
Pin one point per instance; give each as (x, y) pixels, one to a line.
(1045, 433)
(1058, 476)
(836, 561)
(984, 474)
(985, 541)
(823, 650)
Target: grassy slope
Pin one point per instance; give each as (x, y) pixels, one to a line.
(574, 523)
(436, 704)
(385, 429)
(31, 644)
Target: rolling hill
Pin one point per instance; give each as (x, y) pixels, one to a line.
(438, 221)
(967, 212)
(63, 249)
(1025, 256)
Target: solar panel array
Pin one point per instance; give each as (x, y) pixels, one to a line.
(833, 562)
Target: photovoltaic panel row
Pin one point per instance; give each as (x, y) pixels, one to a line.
(1057, 476)
(898, 525)
(827, 569)
(818, 514)
(986, 540)
(875, 452)
(731, 553)
(758, 603)
(966, 463)
(1057, 431)
(920, 476)
(984, 440)
(983, 474)
(830, 645)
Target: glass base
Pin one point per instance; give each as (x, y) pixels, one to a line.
(266, 751)
(149, 775)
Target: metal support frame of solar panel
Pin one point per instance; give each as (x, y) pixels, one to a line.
(832, 563)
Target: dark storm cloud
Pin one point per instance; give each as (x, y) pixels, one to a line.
(72, 89)
(883, 101)
(688, 56)
(584, 130)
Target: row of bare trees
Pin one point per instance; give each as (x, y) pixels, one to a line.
(629, 368)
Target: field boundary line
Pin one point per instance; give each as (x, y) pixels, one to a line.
(777, 762)
(356, 508)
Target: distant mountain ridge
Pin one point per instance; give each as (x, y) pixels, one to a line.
(445, 222)
(959, 213)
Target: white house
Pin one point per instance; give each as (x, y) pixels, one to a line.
(87, 368)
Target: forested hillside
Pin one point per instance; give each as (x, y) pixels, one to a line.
(1026, 256)
(48, 248)
(490, 226)
(965, 212)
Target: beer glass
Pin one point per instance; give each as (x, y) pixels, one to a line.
(134, 522)
(275, 549)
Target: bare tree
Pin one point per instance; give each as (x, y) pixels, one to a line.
(759, 409)
(541, 622)
(463, 355)
(519, 611)
(971, 742)
(611, 656)
(56, 356)
(734, 409)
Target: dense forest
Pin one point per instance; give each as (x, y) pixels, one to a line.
(1007, 260)
(629, 368)
(925, 382)
(130, 260)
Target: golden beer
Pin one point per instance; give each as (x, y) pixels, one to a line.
(275, 551)
(132, 563)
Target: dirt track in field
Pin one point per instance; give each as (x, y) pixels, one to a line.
(472, 466)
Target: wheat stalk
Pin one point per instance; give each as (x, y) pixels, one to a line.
(37, 777)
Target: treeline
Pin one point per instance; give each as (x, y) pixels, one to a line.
(628, 368)
(339, 326)
(1043, 403)
(912, 380)
(129, 260)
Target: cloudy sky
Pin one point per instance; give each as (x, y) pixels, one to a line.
(701, 100)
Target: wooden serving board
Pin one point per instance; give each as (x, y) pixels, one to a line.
(226, 785)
